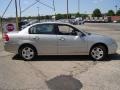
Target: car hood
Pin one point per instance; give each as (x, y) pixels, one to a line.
(98, 35)
(100, 38)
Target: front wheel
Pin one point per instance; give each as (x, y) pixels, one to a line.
(98, 52)
(27, 52)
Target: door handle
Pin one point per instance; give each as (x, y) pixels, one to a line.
(36, 38)
(62, 39)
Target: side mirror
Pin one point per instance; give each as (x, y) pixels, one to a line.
(81, 34)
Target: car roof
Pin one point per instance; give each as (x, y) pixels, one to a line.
(51, 23)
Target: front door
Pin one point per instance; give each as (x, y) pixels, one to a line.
(69, 43)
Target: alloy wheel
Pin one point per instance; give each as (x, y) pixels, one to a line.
(28, 53)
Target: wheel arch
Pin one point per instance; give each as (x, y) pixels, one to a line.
(27, 44)
(97, 44)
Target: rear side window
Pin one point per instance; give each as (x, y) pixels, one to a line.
(42, 29)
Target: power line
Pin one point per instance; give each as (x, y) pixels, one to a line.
(45, 4)
(37, 1)
(29, 7)
(7, 8)
(3, 15)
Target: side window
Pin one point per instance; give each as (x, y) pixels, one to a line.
(66, 30)
(42, 29)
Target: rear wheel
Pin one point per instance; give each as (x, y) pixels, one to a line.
(98, 52)
(27, 52)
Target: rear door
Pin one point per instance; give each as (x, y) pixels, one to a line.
(44, 38)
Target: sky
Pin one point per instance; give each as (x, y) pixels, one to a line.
(86, 6)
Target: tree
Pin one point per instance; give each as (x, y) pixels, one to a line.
(78, 14)
(59, 16)
(47, 17)
(84, 16)
(97, 13)
(111, 13)
(118, 13)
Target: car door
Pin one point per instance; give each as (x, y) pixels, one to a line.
(69, 42)
(44, 38)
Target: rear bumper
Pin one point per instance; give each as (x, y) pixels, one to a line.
(11, 47)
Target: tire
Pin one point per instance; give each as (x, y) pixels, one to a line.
(27, 52)
(98, 52)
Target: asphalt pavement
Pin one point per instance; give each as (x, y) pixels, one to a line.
(63, 72)
(0, 36)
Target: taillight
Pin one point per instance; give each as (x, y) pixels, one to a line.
(6, 37)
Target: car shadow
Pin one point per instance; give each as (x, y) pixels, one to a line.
(114, 57)
(68, 58)
(56, 58)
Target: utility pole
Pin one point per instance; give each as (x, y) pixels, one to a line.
(20, 14)
(79, 6)
(67, 10)
(116, 8)
(1, 27)
(20, 9)
(38, 14)
(16, 15)
(54, 8)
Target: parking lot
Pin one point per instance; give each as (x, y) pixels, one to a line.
(63, 72)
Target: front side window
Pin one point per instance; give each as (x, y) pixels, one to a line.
(66, 30)
(42, 29)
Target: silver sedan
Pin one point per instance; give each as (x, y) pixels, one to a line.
(53, 38)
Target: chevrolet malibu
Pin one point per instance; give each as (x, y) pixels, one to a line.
(54, 38)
